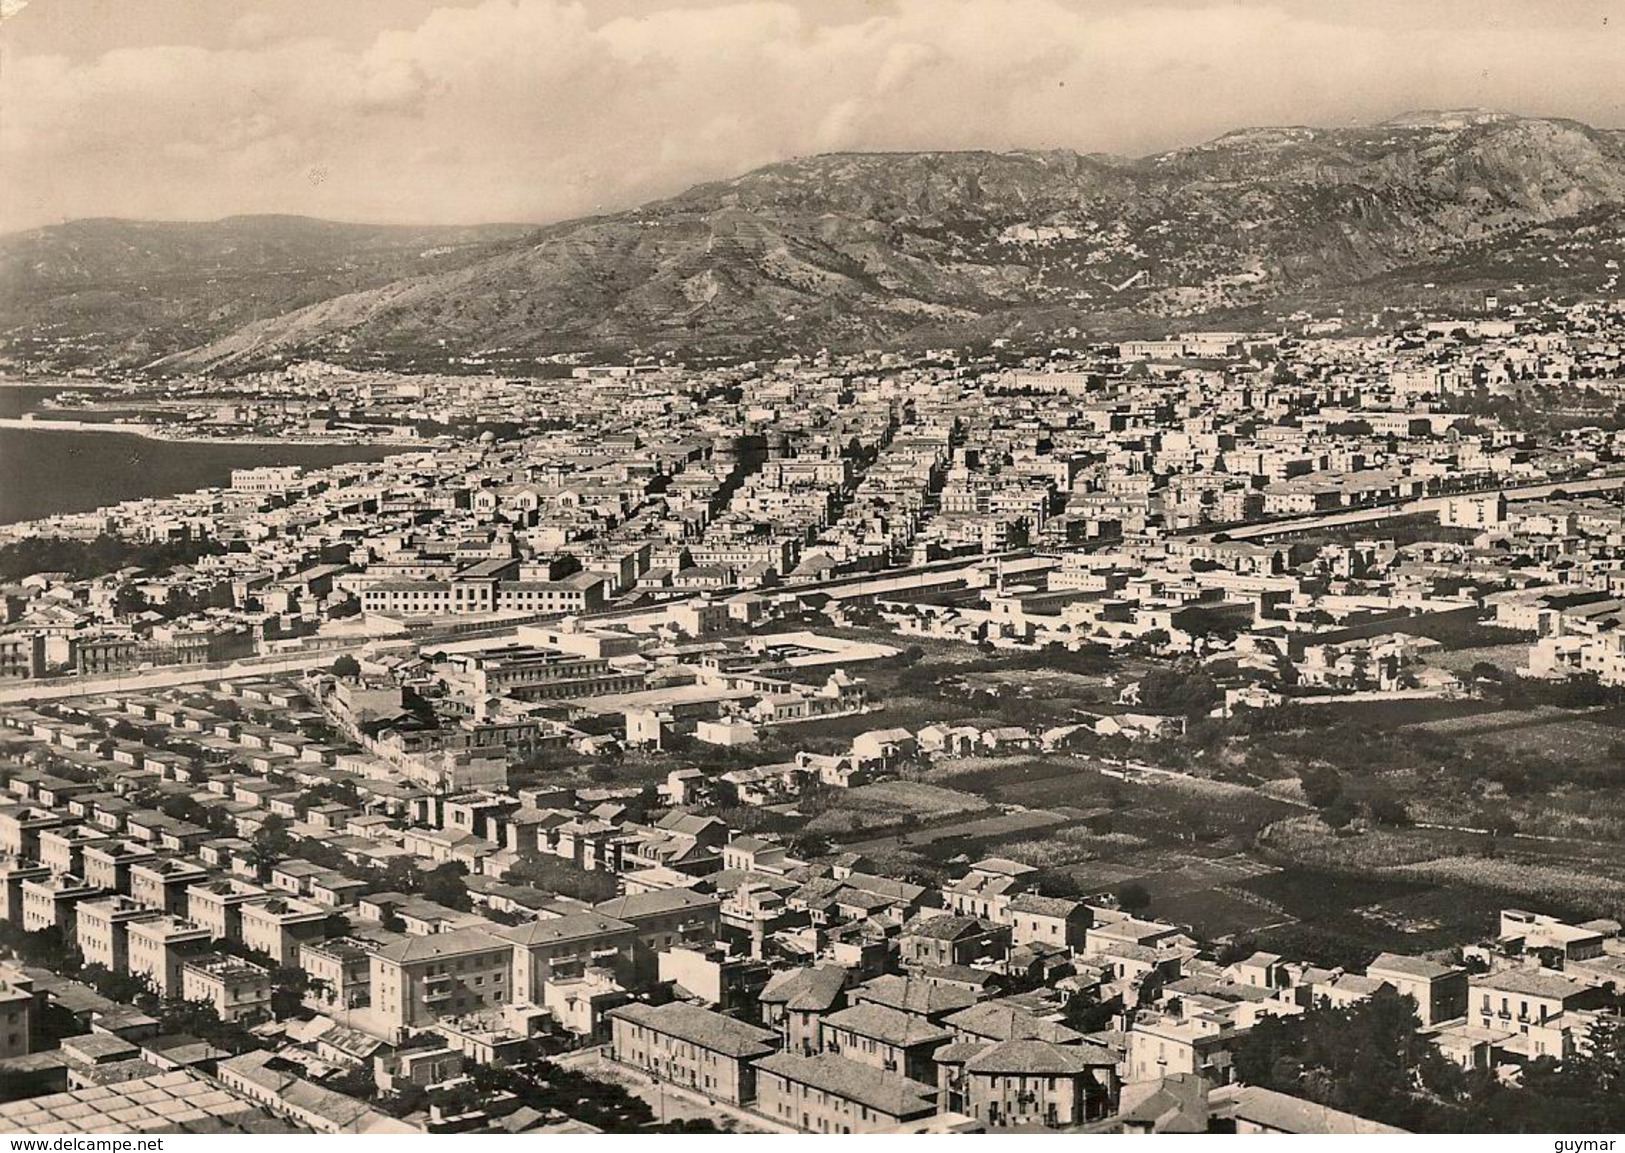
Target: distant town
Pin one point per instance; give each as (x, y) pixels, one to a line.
(1215, 733)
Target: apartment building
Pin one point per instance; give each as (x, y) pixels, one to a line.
(278, 926)
(416, 981)
(565, 946)
(103, 930)
(690, 1046)
(218, 906)
(826, 1093)
(237, 989)
(162, 884)
(160, 946)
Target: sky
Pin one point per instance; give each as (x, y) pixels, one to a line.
(467, 111)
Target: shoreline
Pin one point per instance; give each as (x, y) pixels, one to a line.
(154, 432)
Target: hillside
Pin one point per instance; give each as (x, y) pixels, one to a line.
(126, 291)
(859, 249)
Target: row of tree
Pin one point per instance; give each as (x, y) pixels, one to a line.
(1370, 1059)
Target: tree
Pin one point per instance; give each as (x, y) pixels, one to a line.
(346, 667)
(199, 1018)
(1339, 814)
(444, 885)
(1187, 691)
(401, 875)
(1321, 785)
(273, 845)
(289, 984)
(1366, 1059)
(1501, 824)
(555, 875)
(1388, 809)
(1133, 897)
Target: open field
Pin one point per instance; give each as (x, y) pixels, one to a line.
(1389, 714)
(1577, 742)
(1492, 720)
(1454, 629)
(1417, 889)
(1505, 656)
(891, 803)
(942, 842)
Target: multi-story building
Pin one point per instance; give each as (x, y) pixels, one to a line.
(236, 988)
(1518, 999)
(663, 918)
(1164, 1046)
(566, 946)
(62, 849)
(826, 1093)
(13, 874)
(796, 1001)
(418, 980)
(1053, 921)
(160, 946)
(690, 1046)
(108, 863)
(1025, 1083)
(22, 655)
(52, 902)
(18, 1001)
(278, 926)
(218, 906)
(343, 966)
(103, 930)
(1440, 991)
(20, 829)
(947, 939)
(886, 1039)
(163, 884)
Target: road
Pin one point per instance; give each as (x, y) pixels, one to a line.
(1424, 504)
(670, 1102)
(170, 677)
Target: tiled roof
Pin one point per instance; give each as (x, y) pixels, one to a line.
(571, 927)
(805, 990)
(1419, 967)
(457, 943)
(1040, 1058)
(923, 998)
(1006, 1022)
(700, 1027)
(178, 1101)
(830, 1073)
(892, 1026)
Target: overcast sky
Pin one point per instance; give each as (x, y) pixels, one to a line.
(460, 111)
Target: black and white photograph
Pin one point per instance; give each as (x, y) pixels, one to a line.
(659, 568)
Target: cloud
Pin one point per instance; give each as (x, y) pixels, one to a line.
(537, 109)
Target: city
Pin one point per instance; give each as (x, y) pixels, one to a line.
(665, 569)
(846, 744)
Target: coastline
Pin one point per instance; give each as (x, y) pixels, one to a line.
(154, 432)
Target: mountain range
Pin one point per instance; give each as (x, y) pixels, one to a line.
(857, 249)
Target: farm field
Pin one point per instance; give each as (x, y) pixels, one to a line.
(941, 842)
(1388, 714)
(891, 803)
(1505, 656)
(1578, 742)
(1419, 888)
(1492, 720)
(1454, 629)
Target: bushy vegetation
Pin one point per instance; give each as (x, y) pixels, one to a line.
(1368, 1060)
(85, 559)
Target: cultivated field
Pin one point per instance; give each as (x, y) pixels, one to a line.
(888, 804)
